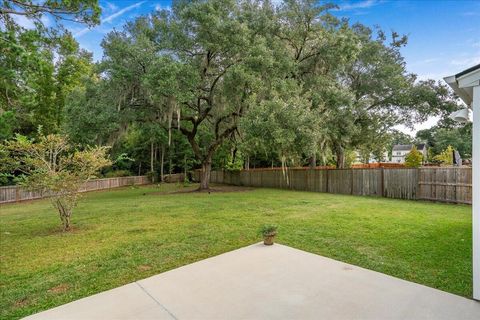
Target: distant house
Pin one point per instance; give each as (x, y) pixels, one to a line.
(399, 151)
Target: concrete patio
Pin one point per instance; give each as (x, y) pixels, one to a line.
(276, 282)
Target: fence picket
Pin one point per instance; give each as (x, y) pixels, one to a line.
(445, 184)
(16, 193)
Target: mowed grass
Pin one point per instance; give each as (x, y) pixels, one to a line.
(128, 234)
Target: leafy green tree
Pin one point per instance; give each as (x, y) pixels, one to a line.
(440, 137)
(459, 138)
(196, 67)
(283, 83)
(91, 116)
(81, 11)
(55, 168)
(41, 64)
(7, 124)
(414, 158)
(384, 93)
(317, 47)
(286, 124)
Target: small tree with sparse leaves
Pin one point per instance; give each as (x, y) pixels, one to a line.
(445, 157)
(414, 158)
(54, 167)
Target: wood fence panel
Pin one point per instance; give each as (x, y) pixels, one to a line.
(298, 179)
(16, 193)
(340, 181)
(437, 184)
(244, 178)
(400, 183)
(464, 185)
(366, 182)
(269, 179)
(321, 182)
(447, 184)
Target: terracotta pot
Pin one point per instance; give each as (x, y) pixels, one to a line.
(268, 240)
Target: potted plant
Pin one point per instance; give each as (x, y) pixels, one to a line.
(268, 232)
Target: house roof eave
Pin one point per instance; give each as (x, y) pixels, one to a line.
(462, 83)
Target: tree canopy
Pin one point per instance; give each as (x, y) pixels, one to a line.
(217, 83)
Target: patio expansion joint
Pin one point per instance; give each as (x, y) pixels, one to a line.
(156, 301)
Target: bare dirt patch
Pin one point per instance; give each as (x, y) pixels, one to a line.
(144, 267)
(61, 288)
(58, 231)
(22, 302)
(213, 189)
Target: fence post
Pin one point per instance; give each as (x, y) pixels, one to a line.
(382, 183)
(326, 180)
(351, 181)
(17, 194)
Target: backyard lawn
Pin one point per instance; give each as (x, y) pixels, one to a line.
(128, 234)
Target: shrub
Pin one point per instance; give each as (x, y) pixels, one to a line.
(414, 158)
(52, 166)
(445, 157)
(117, 173)
(268, 230)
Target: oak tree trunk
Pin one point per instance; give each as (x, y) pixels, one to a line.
(162, 157)
(312, 161)
(340, 155)
(205, 174)
(151, 161)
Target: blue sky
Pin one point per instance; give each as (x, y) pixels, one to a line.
(444, 36)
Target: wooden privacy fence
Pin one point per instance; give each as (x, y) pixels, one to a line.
(16, 193)
(437, 184)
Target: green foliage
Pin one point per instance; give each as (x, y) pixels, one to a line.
(279, 84)
(268, 230)
(196, 68)
(7, 124)
(40, 66)
(440, 137)
(234, 162)
(430, 155)
(117, 173)
(414, 158)
(6, 179)
(288, 126)
(122, 162)
(445, 157)
(80, 11)
(350, 157)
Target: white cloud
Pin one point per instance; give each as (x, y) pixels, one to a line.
(23, 21)
(159, 7)
(121, 12)
(81, 32)
(358, 5)
(111, 17)
(46, 21)
(28, 23)
(474, 43)
(467, 61)
(423, 63)
(277, 3)
(111, 6)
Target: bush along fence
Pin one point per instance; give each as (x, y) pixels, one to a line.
(445, 184)
(16, 193)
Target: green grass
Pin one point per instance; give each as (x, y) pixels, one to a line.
(128, 234)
